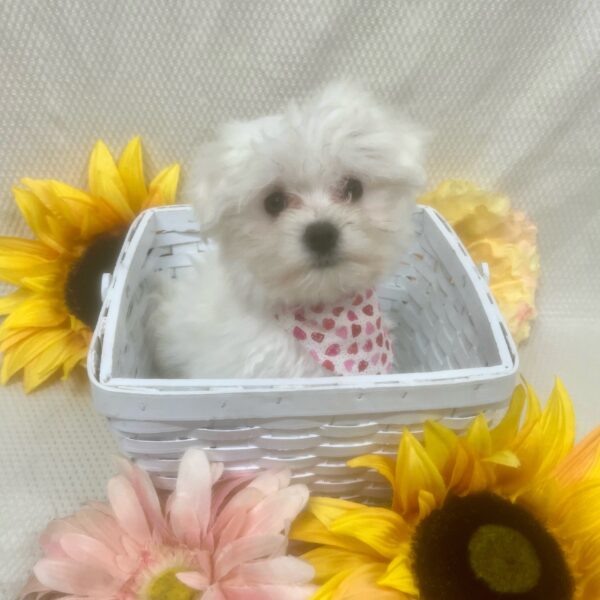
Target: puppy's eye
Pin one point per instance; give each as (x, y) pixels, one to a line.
(352, 190)
(275, 203)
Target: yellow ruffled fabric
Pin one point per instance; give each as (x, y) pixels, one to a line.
(503, 238)
(528, 459)
(39, 337)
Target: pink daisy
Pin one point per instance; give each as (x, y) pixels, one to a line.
(214, 538)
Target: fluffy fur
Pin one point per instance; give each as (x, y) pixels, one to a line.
(218, 321)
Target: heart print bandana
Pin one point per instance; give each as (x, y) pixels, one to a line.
(346, 338)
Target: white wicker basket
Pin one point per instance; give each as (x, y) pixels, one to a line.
(456, 356)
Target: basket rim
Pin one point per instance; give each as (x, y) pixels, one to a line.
(99, 362)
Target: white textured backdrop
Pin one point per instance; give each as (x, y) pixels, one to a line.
(510, 88)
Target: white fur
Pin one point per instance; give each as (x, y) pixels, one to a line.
(218, 321)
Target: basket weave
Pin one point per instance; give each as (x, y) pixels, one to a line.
(455, 359)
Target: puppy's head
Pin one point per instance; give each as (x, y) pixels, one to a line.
(315, 202)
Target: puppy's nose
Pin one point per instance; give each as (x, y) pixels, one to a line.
(321, 237)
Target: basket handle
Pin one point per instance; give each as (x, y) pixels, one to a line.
(105, 282)
(484, 269)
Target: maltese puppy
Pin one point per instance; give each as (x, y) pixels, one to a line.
(308, 211)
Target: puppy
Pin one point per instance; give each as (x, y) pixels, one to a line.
(308, 211)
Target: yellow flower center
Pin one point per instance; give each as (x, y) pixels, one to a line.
(504, 559)
(166, 586)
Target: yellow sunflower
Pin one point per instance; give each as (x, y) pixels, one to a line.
(507, 513)
(495, 234)
(78, 235)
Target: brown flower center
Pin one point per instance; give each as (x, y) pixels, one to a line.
(486, 548)
(82, 289)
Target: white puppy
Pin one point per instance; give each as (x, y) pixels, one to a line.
(309, 210)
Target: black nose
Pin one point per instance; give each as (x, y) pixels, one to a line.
(321, 237)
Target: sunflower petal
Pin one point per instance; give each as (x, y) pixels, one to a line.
(36, 311)
(362, 583)
(328, 591)
(327, 510)
(106, 183)
(163, 188)
(534, 410)
(382, 464)
(504, 457)
(583, 462)
(381, 529)
(43, 283)
(89, 216)
(40, 220)
(506, 431)
(578, 515)
(59, 224)
(329, 561)
(415, 471)
(307, 528)
(479, 438)
(10, 337)
(45, 364)
(131, 169)
(558, 427)
(11, 301)
(77, 357)
(23, 353)
(17, 262)
(111, 196)
(440, 442)
(33, 248)
(399, 574)
(427, 504)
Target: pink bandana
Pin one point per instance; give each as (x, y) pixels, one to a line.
(346, 338)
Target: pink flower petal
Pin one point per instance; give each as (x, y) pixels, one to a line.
(101, 527)
(190, 504)
(264, 484)
(71, 578)
(280, 570)
(241, 503)
(231, 530)
(223, 490)
(194, 580)
(146, 494)
(214, 592)
(32, 588)
(216, 471)
(127, 509)
(246, 549)
(276, 512)
(88, 551)
(50, 539)
(270, 592)
(272, 481)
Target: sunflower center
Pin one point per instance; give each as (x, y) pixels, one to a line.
(82, 289)
(166, 586)
(504, 559)
(483, 546)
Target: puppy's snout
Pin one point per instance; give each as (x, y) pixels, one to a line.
(321, 237)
